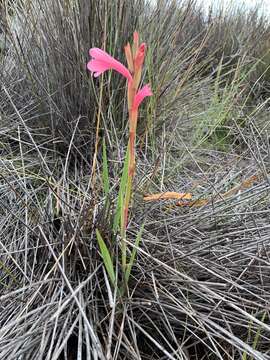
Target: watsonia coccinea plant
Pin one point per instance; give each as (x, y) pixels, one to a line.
(100, 62)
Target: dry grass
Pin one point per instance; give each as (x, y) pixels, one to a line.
(200, 288)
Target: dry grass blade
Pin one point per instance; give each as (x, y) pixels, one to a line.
(200, 285)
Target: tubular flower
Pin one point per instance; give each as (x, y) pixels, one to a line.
(139, 56)
(101, 61)
(141, 94)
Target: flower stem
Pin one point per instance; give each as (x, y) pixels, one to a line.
(128, 192)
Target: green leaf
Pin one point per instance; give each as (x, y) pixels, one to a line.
(105, 170)
(7, 271)
(256, 338)
(133, 254)
(120, 199)
(106, 258)
(258, 333)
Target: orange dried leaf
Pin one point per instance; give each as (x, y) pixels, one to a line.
(168, 196)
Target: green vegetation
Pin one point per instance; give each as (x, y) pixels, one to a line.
(196, 280)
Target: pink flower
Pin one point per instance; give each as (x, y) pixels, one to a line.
(141, 94)
(101, 61)
(139, 57)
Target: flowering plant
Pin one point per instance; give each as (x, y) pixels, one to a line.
(99, 63)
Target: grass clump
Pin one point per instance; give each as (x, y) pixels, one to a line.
(199, 283)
